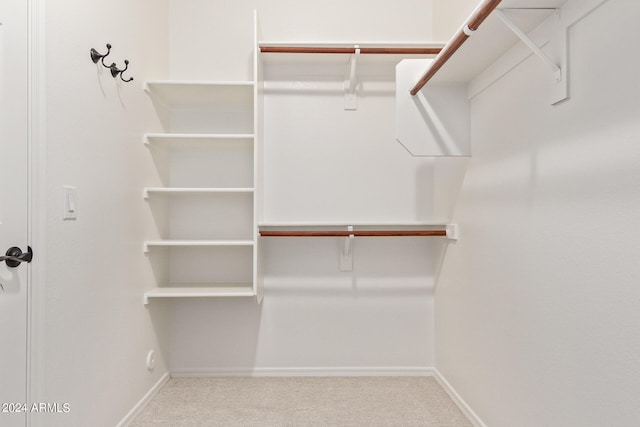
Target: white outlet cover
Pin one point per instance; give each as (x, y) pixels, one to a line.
(151, 360)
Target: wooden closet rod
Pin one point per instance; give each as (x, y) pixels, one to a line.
(454, 44)
(356, 233)
(352, 50)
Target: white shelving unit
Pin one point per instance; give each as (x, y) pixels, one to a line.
(207, 204)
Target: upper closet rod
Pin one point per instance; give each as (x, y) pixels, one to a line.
(355, 233)
(352, 50)
(482, 12)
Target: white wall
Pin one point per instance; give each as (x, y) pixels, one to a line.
(449, 16)
(213, 40)
(537, 304)
(97, 330)
(321, 163)
(325, 163)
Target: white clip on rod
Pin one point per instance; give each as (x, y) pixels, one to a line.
(467, 31)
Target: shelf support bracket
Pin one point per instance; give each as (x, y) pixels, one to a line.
(558, 35)
(350, 98)
(557, 71)
(346, 254)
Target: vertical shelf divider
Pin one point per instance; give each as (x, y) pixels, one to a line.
(189, 187)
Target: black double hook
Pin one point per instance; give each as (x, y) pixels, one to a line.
(115, 71)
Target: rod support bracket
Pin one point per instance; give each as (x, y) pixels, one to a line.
(350, 98)
(453, 232)
(346, 254)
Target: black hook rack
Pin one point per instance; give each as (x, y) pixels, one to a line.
(115, 71)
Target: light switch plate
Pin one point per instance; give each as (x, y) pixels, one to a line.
(70, 203)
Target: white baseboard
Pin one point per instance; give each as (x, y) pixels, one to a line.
(133, 413)
(307, 372)
(459, 401)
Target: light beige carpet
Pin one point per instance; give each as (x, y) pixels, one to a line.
(302, 401)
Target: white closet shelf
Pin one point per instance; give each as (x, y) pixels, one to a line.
(201, 93)
(196, 243)
(187, 291)
(492, 39)
(194, 140)
(148, 192)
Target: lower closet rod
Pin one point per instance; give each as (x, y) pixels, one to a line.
(355, 233)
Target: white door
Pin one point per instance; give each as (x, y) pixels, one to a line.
(13, 211)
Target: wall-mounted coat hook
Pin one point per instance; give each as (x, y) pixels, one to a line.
(115, 71)
(126, 65)
(97, 56)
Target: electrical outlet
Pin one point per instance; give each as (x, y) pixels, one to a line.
(151, 360)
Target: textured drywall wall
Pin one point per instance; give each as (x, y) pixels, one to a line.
(537, 304)
(213, 40)
(449, 15)
(97, 331)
